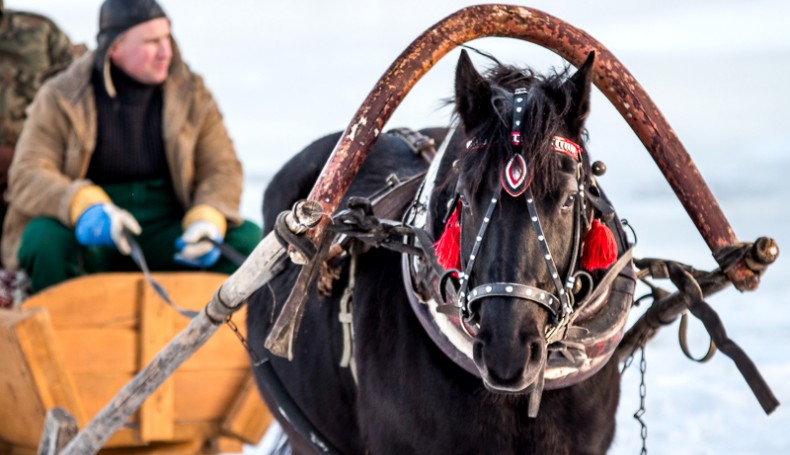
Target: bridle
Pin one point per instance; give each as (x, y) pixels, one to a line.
(516, 179)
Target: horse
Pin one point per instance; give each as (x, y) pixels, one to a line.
(506, 202)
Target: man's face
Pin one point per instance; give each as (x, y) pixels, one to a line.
(144, 51)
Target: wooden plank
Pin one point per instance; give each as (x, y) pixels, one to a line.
(206, 395)
(182, 432)
(248, 417)
(111, 299)
(226, 445)
(191, 447)
(96, 389)
(156, 330)
(21, 409)
(101, 300)
(108, 350)
(47, 367)
(8, 449)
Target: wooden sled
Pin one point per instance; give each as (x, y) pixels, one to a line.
(76, 344)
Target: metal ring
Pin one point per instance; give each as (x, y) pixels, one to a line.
(465, 325)
(581, 276)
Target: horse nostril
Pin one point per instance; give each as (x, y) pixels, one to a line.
(532, 344)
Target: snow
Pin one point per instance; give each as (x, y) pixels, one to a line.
(286, 73)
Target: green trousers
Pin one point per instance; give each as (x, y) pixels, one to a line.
(50, 253)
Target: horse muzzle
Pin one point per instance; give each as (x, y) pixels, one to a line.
(509, 350)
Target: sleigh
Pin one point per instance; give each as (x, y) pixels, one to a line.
(76, 344)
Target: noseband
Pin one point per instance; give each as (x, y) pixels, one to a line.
(516, 179)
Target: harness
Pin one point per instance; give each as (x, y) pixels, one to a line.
(580, 337)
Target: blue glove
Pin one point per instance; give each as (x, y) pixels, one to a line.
(194, 250)
(106, 224)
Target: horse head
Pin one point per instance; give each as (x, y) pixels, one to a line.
(516, 194)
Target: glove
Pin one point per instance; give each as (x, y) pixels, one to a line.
(194, 249)
(200, 222)
(106, 224)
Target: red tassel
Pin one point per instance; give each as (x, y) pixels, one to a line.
(600, 248)
(448, 248)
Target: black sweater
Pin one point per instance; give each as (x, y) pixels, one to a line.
(129, 140)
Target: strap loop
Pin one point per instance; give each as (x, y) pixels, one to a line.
(682, 331)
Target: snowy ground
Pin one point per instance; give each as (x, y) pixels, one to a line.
(287, 72)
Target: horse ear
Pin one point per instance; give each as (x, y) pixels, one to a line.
(472, 93)
(580, 85)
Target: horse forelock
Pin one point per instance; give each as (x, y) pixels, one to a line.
(549, 102)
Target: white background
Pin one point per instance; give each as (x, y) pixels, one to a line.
(286, 73)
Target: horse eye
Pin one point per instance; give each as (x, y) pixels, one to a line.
(569, 202)
(464, 200)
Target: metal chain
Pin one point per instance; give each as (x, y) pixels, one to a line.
(256, 360)
(642, 394)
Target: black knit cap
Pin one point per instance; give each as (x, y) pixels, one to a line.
(117, 16)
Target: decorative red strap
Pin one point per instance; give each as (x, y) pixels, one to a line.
(566, 146)
(515, 138)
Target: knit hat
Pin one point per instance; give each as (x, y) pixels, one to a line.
(117, 16)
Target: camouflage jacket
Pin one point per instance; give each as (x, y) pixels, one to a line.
(32, 48)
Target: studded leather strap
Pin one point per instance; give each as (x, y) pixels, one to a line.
(521, 291)
(467, 269)
(544, 248)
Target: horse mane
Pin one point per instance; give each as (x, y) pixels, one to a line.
(550, 100)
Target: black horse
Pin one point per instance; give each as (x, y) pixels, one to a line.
(521, 137)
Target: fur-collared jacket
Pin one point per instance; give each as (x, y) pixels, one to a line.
(59, 137)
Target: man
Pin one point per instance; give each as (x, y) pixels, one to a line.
(31, 48)
(126, 143)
